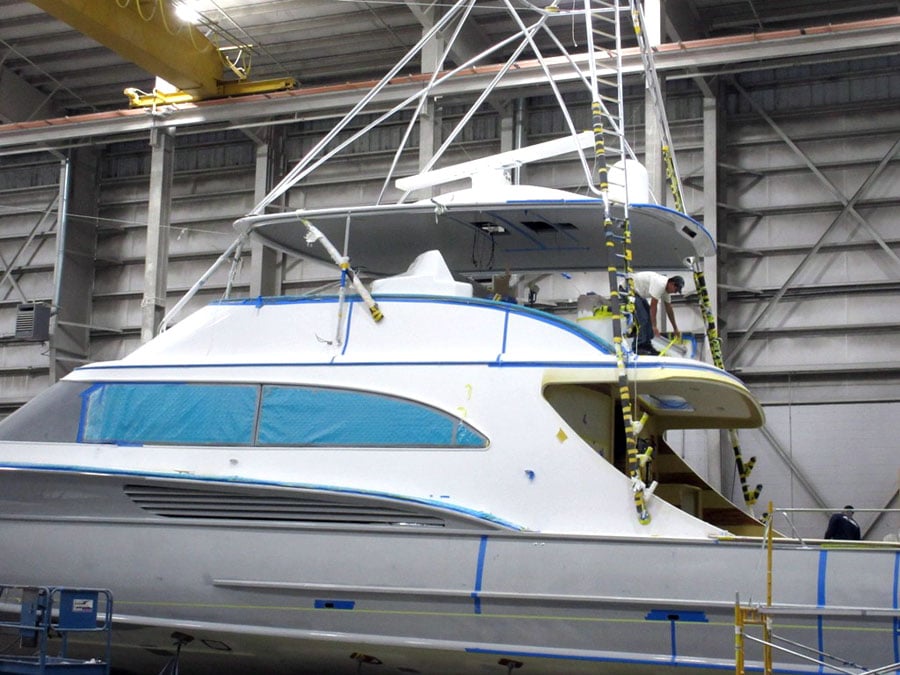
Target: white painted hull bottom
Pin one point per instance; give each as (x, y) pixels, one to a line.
(277, 597)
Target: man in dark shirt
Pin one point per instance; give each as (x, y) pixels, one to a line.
(842, 525)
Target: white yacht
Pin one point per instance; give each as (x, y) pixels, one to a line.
(406, 477)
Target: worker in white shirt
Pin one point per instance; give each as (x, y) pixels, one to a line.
(651, 288)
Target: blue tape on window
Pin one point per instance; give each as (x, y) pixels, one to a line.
(311, 416)
(131, 413)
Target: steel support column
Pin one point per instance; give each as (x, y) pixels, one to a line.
(430, 117)
(162, 168)
(265, 262)
(76, 248)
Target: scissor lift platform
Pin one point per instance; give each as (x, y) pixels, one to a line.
(48, 611)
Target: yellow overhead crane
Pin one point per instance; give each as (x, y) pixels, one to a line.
(147, 33)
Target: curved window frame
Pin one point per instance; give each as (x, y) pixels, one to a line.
(271, 415)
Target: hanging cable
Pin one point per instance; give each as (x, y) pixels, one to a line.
(715, 348)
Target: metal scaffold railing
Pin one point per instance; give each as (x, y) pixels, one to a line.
(747, 616)
(604, 20)
(49, 618)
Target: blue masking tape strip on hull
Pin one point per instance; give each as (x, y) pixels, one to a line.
(85, 395)
(479, 574)
(503, 342)
(897, 606)
(335, 604)
(820, 601)
(347, 325)
(676, 615)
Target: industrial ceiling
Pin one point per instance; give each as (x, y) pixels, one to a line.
(48, 69)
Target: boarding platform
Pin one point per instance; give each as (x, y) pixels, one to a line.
(43, 620)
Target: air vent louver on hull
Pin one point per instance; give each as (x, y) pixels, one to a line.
(243, 504)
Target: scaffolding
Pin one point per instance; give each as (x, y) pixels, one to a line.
(747, 616)
(47, 613)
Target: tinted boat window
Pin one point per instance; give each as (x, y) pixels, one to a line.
(165, 412)
(51, 416)
(321, 416)
(137, 413)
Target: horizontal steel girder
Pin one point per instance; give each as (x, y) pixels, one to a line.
(156, 41)
(674, 58)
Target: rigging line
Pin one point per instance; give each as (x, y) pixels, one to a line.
(298, 171)
(526, 33)
(614, 123)
(423, 100)
(192, 291)
(376, 17)
(550, 80)
(309, 168)
(639, 23)
(742, 468)
(310, 165)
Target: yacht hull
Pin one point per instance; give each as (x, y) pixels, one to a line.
(269, 595)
